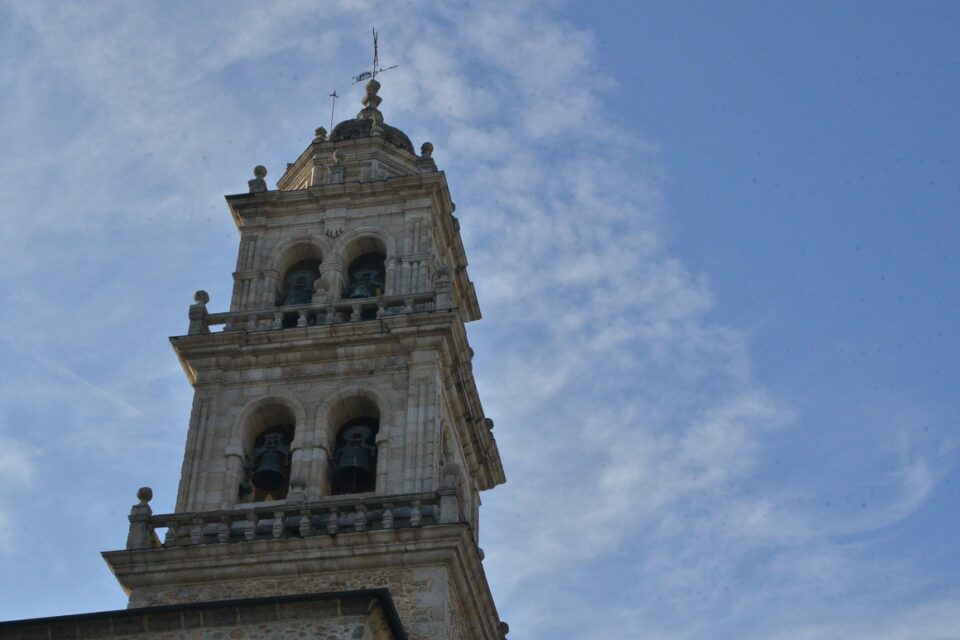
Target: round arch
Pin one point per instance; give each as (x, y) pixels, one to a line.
(265, 412)
(344, 406)
(363, 240)
(293, 250)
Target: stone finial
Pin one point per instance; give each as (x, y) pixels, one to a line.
(489, 423)
(198, 314)
(320, 135)
(141, 534)
(425, 162)
(370, 103)
(258, 183)
(504, 628)
(372, 100)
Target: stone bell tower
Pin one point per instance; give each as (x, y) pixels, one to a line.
(337, 443)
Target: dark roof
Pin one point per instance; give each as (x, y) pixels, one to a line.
(361, 127)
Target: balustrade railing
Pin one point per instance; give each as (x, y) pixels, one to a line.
(305, 315)
(287, 520)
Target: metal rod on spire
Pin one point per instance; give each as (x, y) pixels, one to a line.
(376, 55)
(333, 107)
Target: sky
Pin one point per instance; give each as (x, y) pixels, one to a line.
(714, 247)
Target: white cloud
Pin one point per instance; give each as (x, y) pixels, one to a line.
(630, 424)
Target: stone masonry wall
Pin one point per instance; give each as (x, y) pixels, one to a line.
(421, 596)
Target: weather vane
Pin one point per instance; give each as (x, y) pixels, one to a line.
(372, 73)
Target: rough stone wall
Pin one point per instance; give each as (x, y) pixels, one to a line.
(456, 620)
(421, 596)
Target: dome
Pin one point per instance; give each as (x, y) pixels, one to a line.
(362, 125)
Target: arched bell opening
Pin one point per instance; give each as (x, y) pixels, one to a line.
(297, 269)
(365, 272)
(366, 276)
(297, 284)
(353, 467)
(268, 455)
(355, 457)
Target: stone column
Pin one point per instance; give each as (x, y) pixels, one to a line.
(233, 476)
(392, 284)
(332, 275)
(383, 438)
(268, 297)
(319, 474)
(449, 493)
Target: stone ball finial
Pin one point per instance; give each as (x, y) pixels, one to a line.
(201, 297)
(481, 553)
(426, 150)
(504, 628)
(489, 423)
(372, 100)
(260, 172)
(144, 494)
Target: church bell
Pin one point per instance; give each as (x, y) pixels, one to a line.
(355, 459)
(270, 462)
(364, 283)
(299, 282)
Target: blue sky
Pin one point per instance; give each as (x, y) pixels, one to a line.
(714, 248)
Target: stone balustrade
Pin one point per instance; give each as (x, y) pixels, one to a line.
(305, 315)
(327, 517)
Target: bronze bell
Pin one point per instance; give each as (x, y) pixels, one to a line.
(270, 462)
(299, 286)
(298, 283)
(364, 283)
(355, 460)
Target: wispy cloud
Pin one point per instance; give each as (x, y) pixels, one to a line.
(632, 427)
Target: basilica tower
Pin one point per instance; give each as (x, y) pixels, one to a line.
(337, 443)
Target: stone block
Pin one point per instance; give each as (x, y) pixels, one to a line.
(128, 625)
(94, 628)
(164, 621)
(63, 630)
(219, 616)
(256, 613)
